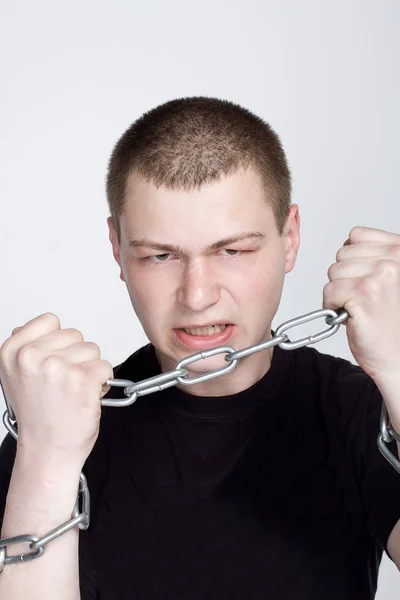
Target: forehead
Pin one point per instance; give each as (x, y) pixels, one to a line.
(222, 208)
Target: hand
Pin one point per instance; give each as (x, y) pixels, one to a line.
(365, 280)
(53, 381)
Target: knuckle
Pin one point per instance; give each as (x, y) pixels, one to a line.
(75, 333)
(94, 347)
(353, 233)
(370, 286)
(331, 270)
(51, 318)
(356, 231)
(110, 368)
(10, 343)
(53, 364)
(27, 355)
(48, 322)
(388, 267)
(340, 253)
(5, 350)
(327, 290)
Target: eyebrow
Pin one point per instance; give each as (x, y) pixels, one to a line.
(145, 242)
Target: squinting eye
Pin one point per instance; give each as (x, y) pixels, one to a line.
(231, 250)
(158, 256)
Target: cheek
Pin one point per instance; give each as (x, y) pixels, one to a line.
(260, 290)
(149, 294)
(261, 279)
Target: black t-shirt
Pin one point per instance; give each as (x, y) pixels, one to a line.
(276, 492)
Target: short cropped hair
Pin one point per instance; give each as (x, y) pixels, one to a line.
(188, 142)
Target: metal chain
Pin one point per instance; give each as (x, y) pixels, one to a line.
(133, 390)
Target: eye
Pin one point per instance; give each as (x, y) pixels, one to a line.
(157, 256)
(231, 250)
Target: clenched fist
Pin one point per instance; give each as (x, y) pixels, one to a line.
(53, 381)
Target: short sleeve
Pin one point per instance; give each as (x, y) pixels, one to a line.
(380, 482)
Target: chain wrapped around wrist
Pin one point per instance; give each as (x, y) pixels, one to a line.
(36, 546)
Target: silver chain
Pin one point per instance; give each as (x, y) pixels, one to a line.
(132, 391)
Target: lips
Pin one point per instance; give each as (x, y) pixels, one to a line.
(203, 342)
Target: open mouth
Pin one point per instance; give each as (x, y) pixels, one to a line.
(203, 338)
(206, 337)
(205, 331)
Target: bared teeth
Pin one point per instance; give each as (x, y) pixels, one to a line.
(212, 330)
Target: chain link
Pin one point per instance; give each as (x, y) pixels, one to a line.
(133, 390)
(37, 545)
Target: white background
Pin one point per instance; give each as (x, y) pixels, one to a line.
(75, 75)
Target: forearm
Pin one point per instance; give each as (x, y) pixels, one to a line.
(41, 497)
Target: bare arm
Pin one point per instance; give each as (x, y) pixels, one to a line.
(53, 381)
(41, 497)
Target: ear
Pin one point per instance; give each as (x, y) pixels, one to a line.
(115, 246)
(292, 237)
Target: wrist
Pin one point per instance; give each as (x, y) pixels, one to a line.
(49, 469)
(39, 499)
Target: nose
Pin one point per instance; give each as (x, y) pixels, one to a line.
(198, 287)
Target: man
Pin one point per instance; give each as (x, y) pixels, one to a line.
(265, 482)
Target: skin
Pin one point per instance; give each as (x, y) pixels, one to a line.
(241, 284)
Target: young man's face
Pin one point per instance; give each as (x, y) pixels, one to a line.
(238, 284)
